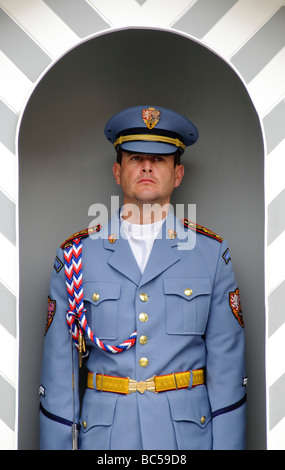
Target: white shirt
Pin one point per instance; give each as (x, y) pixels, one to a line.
(141, 239)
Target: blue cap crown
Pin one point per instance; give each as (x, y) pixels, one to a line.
(150, 130)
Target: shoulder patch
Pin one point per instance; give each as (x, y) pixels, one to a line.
(50, 313)
(199, 228)
(236, 306)
(81, 234)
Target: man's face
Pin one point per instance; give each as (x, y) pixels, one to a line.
(147, 179)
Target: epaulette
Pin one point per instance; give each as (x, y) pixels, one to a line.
(201, 229)
(81, 234)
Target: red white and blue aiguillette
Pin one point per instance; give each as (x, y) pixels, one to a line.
(76, 315)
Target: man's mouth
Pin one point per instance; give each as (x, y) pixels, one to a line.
(146, 180)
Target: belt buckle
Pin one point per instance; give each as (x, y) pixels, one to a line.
(142, 386)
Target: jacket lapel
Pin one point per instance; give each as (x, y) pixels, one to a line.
(122, 258)
(163, 254)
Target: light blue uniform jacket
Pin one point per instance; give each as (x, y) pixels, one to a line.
(184, 333)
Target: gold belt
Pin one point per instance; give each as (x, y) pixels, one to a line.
(157, 383)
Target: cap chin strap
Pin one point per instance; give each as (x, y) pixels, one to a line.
(149, 138)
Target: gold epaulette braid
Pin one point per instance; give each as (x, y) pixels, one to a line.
(81, 234)
(199, 228)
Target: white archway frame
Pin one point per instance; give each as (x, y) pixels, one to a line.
(110, 32)
(270, 266)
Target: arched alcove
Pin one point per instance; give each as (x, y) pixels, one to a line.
(65, 166)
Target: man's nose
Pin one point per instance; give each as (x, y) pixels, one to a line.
(146, 166)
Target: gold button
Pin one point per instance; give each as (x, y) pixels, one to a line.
(84, 424)
(95, 297)
(143, 317)
(143, 362)
(188, 292)
(203, 419)
(143, 339)
(143, 297)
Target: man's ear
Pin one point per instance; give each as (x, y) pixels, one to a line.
(117, 172)
(179, 173)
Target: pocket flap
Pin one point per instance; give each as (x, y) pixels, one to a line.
(98, 411)
(98, 291)
(189, 287)
(187, 405)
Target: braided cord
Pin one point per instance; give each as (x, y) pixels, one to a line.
(76, 315)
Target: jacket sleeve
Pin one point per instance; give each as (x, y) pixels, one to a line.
(59, 403)
(226, 376)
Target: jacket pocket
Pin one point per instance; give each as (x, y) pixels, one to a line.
(101, 300)
(96, 420)
(187, 305)
(191, 416)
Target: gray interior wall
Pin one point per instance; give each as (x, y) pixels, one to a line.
(66, 166)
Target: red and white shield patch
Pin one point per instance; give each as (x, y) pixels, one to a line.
(236, 306)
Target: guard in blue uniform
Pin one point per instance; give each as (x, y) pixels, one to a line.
(155, 319)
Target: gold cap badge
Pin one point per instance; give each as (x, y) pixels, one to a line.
(151, 117)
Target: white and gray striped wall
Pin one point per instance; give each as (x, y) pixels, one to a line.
(249, 35)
